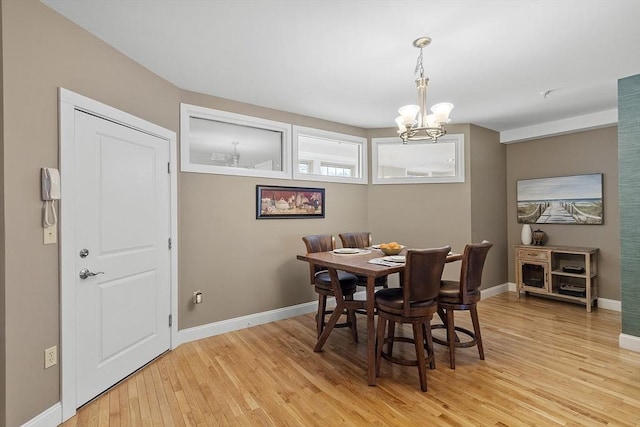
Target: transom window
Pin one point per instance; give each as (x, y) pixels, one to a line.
(219, 142)
(329, 156)
(418, 162)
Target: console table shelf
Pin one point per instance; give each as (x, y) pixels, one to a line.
(565, 272)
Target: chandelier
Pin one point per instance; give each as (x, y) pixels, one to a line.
(414, 124)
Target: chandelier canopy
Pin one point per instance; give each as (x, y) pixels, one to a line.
(414, 124)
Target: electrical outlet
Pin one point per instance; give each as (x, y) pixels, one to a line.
(50, 356)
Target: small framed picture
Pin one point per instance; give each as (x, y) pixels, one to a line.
(289, 202)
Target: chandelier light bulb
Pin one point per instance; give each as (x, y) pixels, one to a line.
(442, 112)
(408, 114)
(432, 121)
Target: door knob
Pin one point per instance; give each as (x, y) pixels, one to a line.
(84, 273)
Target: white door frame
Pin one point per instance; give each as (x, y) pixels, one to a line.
(69, 102)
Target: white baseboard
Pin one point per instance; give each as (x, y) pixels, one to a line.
(496, 290)
(52, 417)
(630, 342)
(216, 328)
(610, 304)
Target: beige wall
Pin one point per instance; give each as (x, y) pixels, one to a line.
(219, 235)
(488, 178)
(594, 151)
(2, 242)
(423, 216)
(450, 214)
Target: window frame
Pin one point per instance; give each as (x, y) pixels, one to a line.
(188, 111)
(457, 139)
(332, 136)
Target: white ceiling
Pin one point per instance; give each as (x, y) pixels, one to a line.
(352, 61)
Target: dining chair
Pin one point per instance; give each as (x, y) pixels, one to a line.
(362, 239)
(463, 295)
(321, 280)
(415, 302)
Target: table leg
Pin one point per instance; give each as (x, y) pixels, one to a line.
(371, 331)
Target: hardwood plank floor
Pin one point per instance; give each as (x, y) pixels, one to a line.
(548, 363)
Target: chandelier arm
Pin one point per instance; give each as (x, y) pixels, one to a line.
(423, 133)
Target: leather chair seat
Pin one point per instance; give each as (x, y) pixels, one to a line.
(391, 301)
(379, 281)
(348, 281)
(450, 293)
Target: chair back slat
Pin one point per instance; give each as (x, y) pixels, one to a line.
(471, 270)
(360, 239)
(422, 276)
(318, 243)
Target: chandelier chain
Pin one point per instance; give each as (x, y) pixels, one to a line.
(419, 68)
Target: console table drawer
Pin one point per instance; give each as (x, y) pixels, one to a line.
(533, 254)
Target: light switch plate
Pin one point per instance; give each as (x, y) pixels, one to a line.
(50, 235)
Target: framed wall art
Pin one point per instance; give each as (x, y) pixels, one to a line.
(289, 202)
(575, 199)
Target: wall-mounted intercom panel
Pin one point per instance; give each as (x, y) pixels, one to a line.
(50, 193)
(50, 184)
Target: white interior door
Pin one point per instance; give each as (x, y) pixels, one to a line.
(122, 233)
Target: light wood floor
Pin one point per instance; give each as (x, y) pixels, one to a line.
(547, 363)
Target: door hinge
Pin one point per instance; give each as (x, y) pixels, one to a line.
(168, 167)
(170, 320)
(169, 243)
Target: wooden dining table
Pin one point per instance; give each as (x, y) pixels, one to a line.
(359, 264)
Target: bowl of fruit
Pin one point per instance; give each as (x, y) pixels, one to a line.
(392, 248)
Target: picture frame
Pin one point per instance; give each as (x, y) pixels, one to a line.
(278, 202)
(574, 199)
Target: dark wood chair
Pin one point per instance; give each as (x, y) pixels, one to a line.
(463, 295)
(321, 280)
(361, 239)
(415, 302)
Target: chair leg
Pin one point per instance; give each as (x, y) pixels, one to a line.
(391, 333)
(351, 318)
(442, 315)
(476, 330)
(379, 342)
(322, 308)
(451, 339)
(418, 334)
(428, 339)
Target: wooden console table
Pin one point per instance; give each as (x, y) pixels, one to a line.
(563, 272)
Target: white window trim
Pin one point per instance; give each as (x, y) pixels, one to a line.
(460, 162)
(335, 136)
(187, 111)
